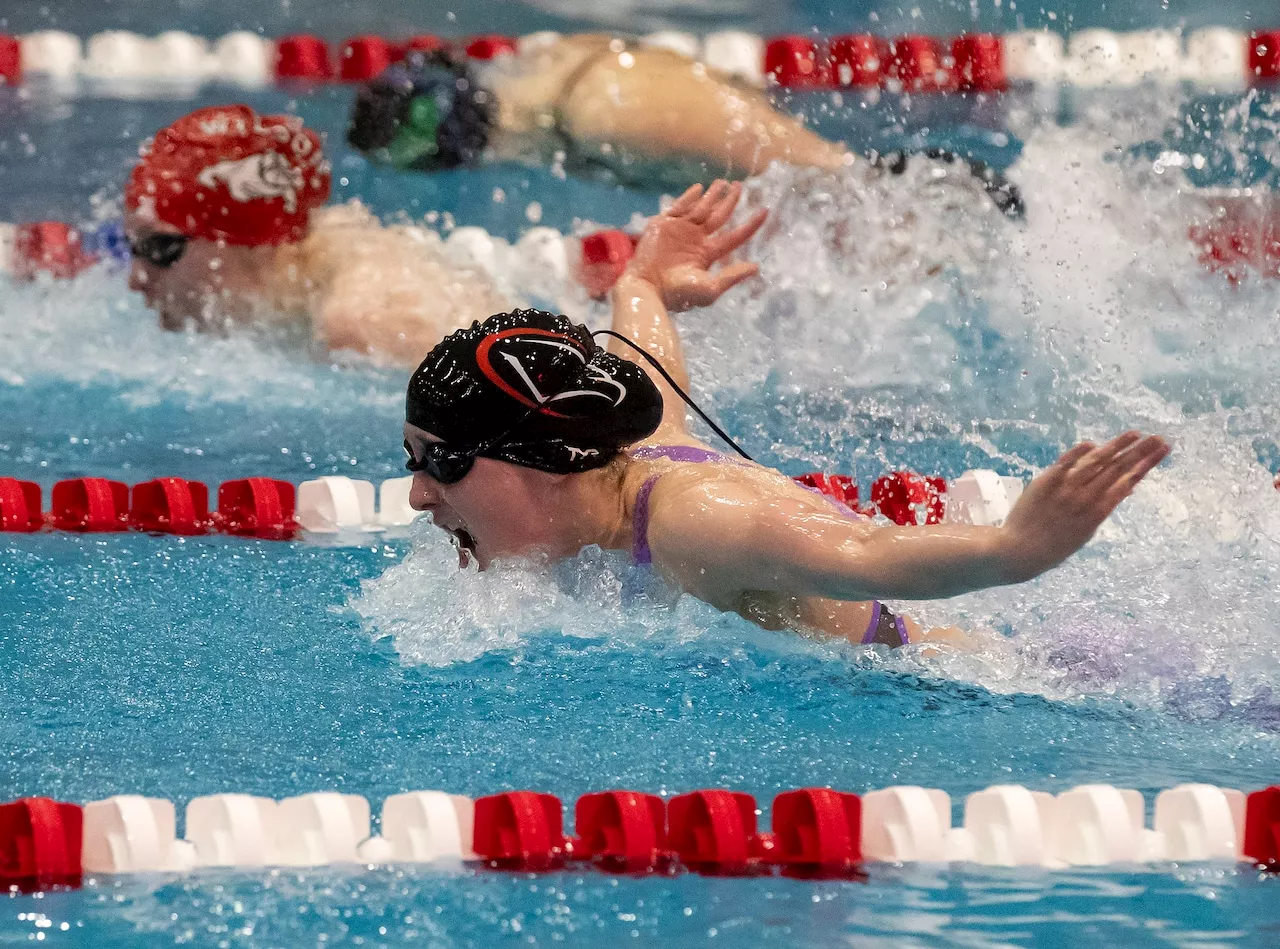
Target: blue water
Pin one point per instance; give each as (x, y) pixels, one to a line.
(896, 327)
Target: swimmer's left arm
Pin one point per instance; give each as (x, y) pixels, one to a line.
(672, 271)
(779, 544)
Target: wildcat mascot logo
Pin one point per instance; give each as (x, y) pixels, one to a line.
(264, 175)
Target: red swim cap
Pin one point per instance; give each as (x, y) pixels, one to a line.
(228, 173)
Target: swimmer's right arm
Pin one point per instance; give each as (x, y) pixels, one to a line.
(672, 271)
(778, 545)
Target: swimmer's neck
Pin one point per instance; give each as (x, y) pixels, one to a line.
(592, 508)
(291, 280)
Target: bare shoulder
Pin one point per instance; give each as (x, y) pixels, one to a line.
(695, 508)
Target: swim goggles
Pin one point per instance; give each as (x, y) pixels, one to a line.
(159, 249)
(450, 465)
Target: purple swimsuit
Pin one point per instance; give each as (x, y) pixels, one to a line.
(885, 628)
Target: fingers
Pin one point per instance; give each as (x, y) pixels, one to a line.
(1060, 468)
(1098, 460)
(730, 241)
(1150, 453)
(724, 208)
(733, 275)
(686, 201)
(708, 203)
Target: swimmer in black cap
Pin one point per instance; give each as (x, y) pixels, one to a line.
(597, 105)
(527, 438)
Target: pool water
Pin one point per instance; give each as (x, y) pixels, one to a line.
(901, 323)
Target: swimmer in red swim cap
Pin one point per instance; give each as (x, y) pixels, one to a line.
(226, 223)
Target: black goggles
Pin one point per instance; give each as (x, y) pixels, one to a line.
(440, 462)
(158, 249)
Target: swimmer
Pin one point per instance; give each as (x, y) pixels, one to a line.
(598, 105)
(527, 438)
(226, 225)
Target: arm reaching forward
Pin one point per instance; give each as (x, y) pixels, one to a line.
(672, 271)
(779, 544)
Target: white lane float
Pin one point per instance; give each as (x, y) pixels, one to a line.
(1094, 59)
(1216, 57)
(1097, 824)
(393, 503)
(1035, 56)
(1009, 826)
(1200, 822)
(336, 503)
(320, 829)
(423, 827)
(981, 497)
(907, 824)
(52, 53)
(133, 834)
(244, 58)
(736, 53)
(232, 830)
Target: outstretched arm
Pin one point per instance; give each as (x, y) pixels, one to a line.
(672, 271)
(779, 544)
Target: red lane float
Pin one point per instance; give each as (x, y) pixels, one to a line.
(10, 60)
(48, 246)
(858, 60)
(520, 830)
(622, 831)
(605, 255)
(714, 832)
(917, 63)
(979, 63)
(89, 505)
(20, 506)
(1242, 242)
(902, 496)
(257, 507)
(302, 58)
(1264, 56)
(40, 844)
(1262, 827)
(793, 62)
(365, 57)
(490, 46)
(171, 506)
(817, 832)
(840, 488)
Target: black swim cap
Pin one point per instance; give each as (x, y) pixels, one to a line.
(563, 404)
(428, 113)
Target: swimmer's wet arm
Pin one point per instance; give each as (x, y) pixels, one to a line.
(779, 544)
(779, 547)
(672, 270)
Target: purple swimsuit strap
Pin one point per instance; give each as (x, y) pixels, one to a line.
(685, 454)
(640, 551)
(682, 453)
(870, 635)
(878, 610)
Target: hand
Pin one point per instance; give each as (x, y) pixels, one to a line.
(680, 245)
(1061, 509)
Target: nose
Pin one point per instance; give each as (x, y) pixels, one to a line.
(424, 493)
(137, 277)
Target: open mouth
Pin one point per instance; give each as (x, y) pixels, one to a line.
(465, 543)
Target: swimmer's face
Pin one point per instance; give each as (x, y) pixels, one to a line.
(491, 512)
(209, 285)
